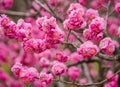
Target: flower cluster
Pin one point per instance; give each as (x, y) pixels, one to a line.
(35, 45)
(75, 17)
(88, 50)
(20, 31)
(95, 31)
(53, 34)
(45, 78)
(26, 74)
(61, 57)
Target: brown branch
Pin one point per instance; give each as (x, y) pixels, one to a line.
(84, 61)
(107, 15)
(72, 32)
(69, 32)
(8, 12)
(107, 58)
(87, 73)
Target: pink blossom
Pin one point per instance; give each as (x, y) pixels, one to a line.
(90, 35)
(113, 81)
(24, 30)
(10, 30)
(61, 57)
(35, 45)
(28, 59)
(6, 4)
(28, 74)
(74, 73)
(54, 34)
(17, 68)
(107, 46)
(44, 62)
(37, 83)
(55, 2)
(75, 20)
(4, 20)
(75, 57)
(83, 2)
(59, 68)
(75, 6)
(117, 7)
(46, 24)
(88, 50)
(46, 78)
(113, 29)
(87, 33)
(91, 14)
(97, 25)
(55, 37)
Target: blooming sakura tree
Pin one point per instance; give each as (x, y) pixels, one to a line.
(59, 43)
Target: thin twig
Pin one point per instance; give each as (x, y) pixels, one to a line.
(72, 32)
(68, 35)
(107, 15)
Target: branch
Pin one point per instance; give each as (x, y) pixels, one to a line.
(8, 12)
(89, 84)
(84, 61)
(107, 15)
(107, 58)
(76, 36)
(87, 73)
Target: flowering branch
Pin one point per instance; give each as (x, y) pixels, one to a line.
(90, 84)
(50, 10)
